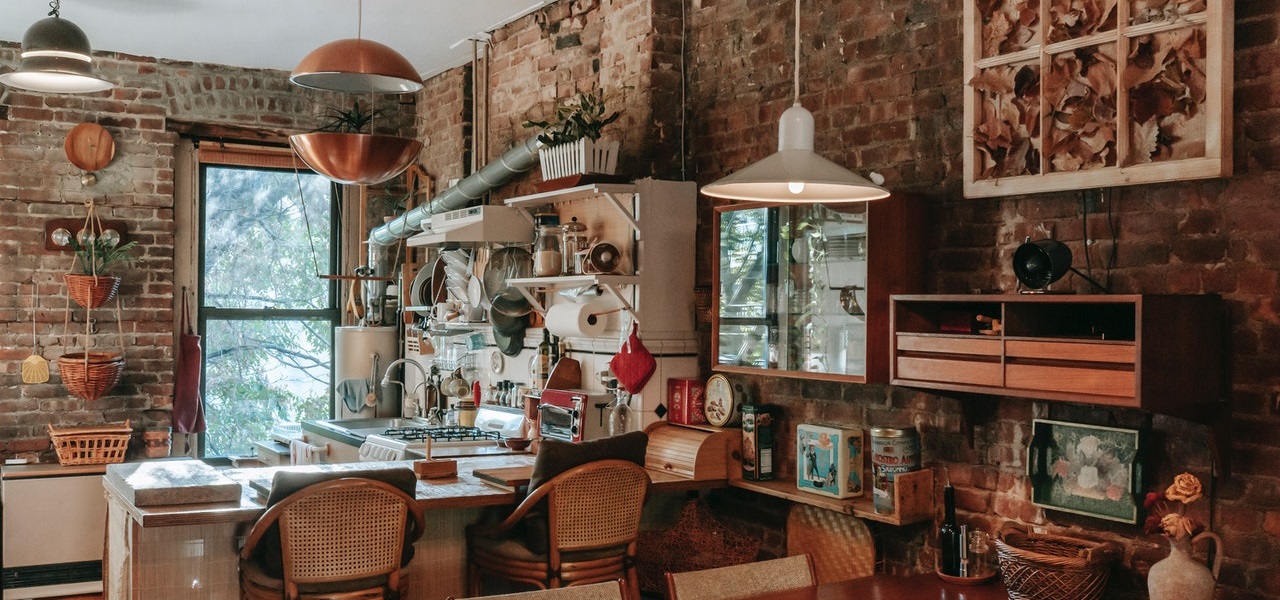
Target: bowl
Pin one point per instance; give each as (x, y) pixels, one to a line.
(517, 443)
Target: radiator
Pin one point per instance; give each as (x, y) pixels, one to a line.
(53, 530)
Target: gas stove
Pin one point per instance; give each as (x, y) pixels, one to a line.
(493, 423)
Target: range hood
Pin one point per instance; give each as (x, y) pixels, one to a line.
(478, 224)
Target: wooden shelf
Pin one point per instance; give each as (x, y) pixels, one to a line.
(572, 281)
(913, 496)
(581, 192)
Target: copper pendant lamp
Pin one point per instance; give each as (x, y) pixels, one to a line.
(355, 158)
(795, 174)
(55, 58)
(357, 65)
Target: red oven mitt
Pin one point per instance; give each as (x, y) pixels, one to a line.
(633, 364)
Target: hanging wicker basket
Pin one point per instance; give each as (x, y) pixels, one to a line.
(1053, 567)
(89, 375)
(91, 291)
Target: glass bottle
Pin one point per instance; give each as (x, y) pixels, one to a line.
(575, 241)
(619, 412)
(949, 540)
(547, 258)
(541, 368)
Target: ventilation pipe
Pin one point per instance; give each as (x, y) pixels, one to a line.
(517, 160)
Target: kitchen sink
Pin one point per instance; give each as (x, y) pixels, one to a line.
(361, 428)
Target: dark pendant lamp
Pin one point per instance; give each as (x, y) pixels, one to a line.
(358, 66)
(55, 58)
(795, 174)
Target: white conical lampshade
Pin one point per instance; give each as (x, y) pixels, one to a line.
(795, 173)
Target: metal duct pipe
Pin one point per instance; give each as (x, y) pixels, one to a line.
(517, 160)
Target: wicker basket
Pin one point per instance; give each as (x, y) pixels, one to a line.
(91, 445)
(92, 377)
(91, 291)
(1053, 567)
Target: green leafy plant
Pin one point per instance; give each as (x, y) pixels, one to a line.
(355, 120)
(584, 116)
(99, 257)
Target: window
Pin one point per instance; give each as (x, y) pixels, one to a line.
(266, 318)
(748, 242)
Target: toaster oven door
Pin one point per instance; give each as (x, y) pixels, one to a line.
(560, 422)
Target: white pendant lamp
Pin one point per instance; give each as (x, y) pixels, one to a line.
(55, 58)
(357, 66)
(795, 173)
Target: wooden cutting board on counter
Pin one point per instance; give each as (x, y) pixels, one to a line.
(165, 482)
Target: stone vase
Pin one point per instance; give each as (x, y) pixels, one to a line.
(1180, 576)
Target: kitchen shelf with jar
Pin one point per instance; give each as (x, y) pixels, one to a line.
(912, 498)
(610, 283)
(609, 191)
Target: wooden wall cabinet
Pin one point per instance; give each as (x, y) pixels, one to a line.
(1161, 353)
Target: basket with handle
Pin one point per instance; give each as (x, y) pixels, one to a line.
(91, 445)
(1053, 567)
(89, 375)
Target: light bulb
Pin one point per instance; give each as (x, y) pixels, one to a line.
(795, 187)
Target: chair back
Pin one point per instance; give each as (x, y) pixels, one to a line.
(596, 505)
(608, 590)
(743, 581)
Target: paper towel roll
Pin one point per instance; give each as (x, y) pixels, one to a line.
(575, 320)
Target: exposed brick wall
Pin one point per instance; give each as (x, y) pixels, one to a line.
(38, 183)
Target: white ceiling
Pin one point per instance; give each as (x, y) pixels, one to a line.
(273, 33)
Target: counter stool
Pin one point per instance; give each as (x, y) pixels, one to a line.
(593, 520)
(338, 539)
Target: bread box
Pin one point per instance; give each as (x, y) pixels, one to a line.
(695, 452)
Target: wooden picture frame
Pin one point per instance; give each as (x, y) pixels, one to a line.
(1086, 469)
(1130, 92)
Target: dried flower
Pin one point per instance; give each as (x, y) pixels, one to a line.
(1186, 489)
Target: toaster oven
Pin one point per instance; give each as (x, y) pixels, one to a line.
(572, 415)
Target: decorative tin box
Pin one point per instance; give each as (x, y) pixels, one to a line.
(757, 442)
(829, 460)
(685, 400)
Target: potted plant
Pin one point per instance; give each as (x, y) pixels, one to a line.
(571, 138)
(342, 151)
(96, 257)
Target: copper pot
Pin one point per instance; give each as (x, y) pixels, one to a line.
(355, 158)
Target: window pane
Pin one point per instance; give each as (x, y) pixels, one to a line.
(257, 254)
(262, 372)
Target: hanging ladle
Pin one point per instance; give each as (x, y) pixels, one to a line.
(849, 300)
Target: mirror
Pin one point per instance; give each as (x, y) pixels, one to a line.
(791, 284)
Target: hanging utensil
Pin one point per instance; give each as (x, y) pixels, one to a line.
(35, 369)
(849, 301)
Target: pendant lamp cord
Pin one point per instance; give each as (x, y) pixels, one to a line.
(54, 6)
(795, 69)
(360, 19)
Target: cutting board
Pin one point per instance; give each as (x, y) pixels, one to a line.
(506, 478)
(164, 482)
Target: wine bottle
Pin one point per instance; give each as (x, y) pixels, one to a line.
(542, 362)
(949, 535)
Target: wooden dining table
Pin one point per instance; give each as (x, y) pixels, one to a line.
(925, 586)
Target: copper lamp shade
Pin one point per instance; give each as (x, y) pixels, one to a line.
(355, 158)
(357, 65)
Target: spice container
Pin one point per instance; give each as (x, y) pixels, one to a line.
(894, 450)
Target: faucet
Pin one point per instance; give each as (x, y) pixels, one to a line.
(416, 407)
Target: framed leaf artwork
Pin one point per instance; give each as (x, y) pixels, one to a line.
(1086, 469)
(1076, 94)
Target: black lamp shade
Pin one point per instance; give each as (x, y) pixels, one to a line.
(1040, 263)
(55, 58)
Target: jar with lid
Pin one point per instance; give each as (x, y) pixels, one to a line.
(575, 241)
(547, 258)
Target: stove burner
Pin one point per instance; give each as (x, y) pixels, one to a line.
(451, 433)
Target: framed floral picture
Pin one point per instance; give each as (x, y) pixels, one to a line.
(1086, 469)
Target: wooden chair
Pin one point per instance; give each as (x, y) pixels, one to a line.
(593, 520)
(609, 590)
(743, 581)
(339, 539)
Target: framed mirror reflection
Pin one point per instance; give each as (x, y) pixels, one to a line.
(803, 290)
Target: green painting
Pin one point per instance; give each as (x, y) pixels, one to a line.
(1085, 469)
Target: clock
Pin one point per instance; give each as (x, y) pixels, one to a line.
(722, 401)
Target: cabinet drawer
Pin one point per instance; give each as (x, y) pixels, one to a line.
(950, 371)
(948, 345)
(1079, 380)
(1080, 351)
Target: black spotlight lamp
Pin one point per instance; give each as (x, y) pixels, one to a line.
(1040, 263)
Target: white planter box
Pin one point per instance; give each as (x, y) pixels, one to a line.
(578, 158)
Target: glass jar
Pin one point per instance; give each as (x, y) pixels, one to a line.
(574, 242)
(547, 258)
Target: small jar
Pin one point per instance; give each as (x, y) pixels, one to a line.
(547, 258)
(574, 242)
(467, 413)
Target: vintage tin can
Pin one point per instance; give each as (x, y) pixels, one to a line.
(893, 450)
(757, 442)
(685, 398)
(829, 460)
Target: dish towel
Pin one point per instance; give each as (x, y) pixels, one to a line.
(352, 392)
(302, 453)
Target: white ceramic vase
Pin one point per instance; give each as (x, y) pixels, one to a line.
(1180, 576)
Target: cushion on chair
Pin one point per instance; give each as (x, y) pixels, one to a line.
(514, 548)
(254, 575)
(286, 483)
(556, 457)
